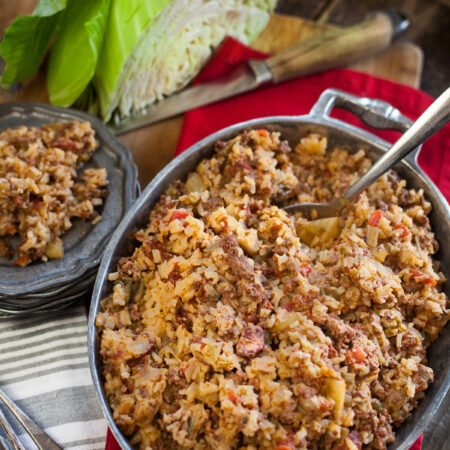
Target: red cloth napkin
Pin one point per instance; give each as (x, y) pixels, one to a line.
(297, 97)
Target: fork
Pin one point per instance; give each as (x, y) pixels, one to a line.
(9, 434)
(40, 438)
(432, 120)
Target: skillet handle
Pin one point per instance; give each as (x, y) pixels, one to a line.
(374, 113)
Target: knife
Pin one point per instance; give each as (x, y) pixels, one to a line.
(331, 49)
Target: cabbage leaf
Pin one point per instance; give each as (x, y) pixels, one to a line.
(26, 40)
(143, 63)
(74, 56)
(127, 21)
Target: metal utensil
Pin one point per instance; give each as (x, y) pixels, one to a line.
(40, 438)
(374, 113)
(9, 433)
(331, 49)
(431, 121)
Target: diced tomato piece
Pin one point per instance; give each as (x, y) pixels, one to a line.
(233, 397)
(179, 215)
(289, 306)
(375, 218)
(305, 268)
(421, 277)
(285, 444)
(264, 133)
(404, 229)
(357, 354)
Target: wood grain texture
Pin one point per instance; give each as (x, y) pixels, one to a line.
(153, 146)
(283, 31)
(334, 48)
(10, 9)
(402, 62)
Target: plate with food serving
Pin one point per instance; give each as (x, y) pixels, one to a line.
(66, 182)
(220, 319)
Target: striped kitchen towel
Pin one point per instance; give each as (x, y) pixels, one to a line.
(44, 368)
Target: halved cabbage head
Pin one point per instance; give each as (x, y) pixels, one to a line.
(153, 48)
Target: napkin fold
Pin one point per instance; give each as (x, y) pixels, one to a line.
(44, 368)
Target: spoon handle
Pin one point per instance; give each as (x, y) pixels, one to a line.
(431, 121)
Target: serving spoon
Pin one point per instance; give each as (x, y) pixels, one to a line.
(432, 120)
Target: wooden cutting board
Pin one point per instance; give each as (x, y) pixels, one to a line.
(153, 146)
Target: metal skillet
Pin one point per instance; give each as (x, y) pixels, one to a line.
(374, 113)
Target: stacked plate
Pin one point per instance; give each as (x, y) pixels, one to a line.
(47, 286)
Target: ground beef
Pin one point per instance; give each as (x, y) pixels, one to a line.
(39, 194)
(341, 332)
(251, 341)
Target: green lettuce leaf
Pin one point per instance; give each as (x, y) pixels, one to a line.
(74, 56)
(26, 40)
(127, 20)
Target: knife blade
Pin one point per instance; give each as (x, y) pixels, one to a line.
(328, 50)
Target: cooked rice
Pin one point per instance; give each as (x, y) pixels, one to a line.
(236, 325)
(38, 192)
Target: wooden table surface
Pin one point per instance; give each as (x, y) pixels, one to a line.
(430, 30)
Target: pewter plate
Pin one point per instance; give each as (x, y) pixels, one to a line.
(374, 113)
(82, 284)
(83, 243)
(21, 307)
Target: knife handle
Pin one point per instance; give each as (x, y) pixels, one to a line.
(339, 47)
